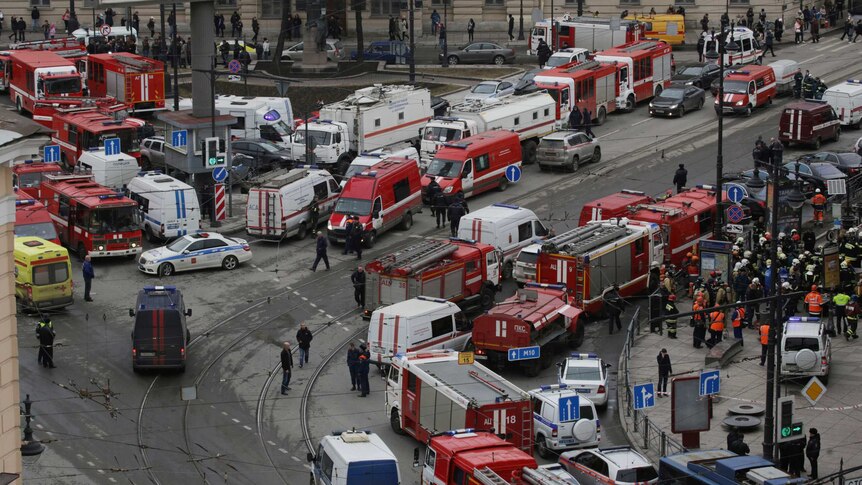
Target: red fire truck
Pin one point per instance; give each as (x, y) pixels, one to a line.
(461, 271)
(612, 206)
(587, 32)
(431, 391)
(591, 259)
(33, 219)
(134, 80)
(28, 176)
(66, 47)
(90, 218)
(536, 315)
(79, 129)
(44, 76)
(645, 69)
(587, 84)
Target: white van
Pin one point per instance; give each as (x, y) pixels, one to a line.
(279, 208)
(369, 159)
(269, 118)
(169, 208)
(846, 100)
(509, 228)
(784, 70)
(806, 349)
(350, 457)
(525, 264)
(423, 323)
(114, 171)
(552, 435)
(117, 31)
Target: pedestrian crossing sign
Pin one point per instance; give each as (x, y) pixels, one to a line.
(465, 358)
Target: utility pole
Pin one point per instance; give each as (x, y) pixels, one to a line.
(176, 53)
(521, 21)
(769, 421)
(412, 42)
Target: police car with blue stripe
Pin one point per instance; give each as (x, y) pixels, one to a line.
(586, 374)
(195, 251)
(550, 433)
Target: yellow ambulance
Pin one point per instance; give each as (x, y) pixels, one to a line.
(43, 274)
(667, 27)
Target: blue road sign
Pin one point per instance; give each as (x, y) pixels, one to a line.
(112, 146)
(179, 138)
(735, 193)
(52, 153)
(570, 408)
(710, 382)
(524, 353)
(234, 66)
(735, 214)
(219, 174)
(513, 173)
(644, 396)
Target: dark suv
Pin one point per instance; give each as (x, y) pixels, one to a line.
(160, 335)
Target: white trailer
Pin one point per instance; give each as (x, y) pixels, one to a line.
(532, 116)
(256, 117)
(371, 118)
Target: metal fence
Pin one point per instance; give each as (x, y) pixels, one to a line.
(651, 436)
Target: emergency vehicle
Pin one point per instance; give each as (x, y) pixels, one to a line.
(279, 207)
(644, 70)
(66, 47)
(612, 206)
(508, 228)
(169, 208)
(667, 27)
(808, 123)
(473, 165)
(371, 118)
(536, 315)
(92, 219)
(748, 47)
(385, 196)
(41, 76)
(367, 160)
(28, 176)
(590, 259)
(33, 219)
(461, 271)
(553, 434)
(79, 129)
(591, 33)
(530, 116)
(592, 85)
(430, 391)
(4, 79)
(353, 457)
(113, 171)
(43, 274)
(268, 118)
(846, 100)
(747, 89)
(135, 80)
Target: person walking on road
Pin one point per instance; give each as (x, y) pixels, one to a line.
(364, 367)
(840, 302)
(543, 52)
(680, 178)
(89, 274)
(575, 119)
(353, 365)
(441, 205)
(456, 211)
(770, 39)
(664, 372)
(45, 334)
(303, 339)
(670, 314)
(814, 301)
(818, 202)
(321, 246)
(764, 343)
(812, 451)
(356, 237)
(286, 367)
(852, 311)
(348, 233)
(587, 120)
(358, 280)
(614, 304)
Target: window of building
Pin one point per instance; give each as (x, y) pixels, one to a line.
(40, 3)
(225, 3)
(270, 8)
(494, 3)
(739, 2)
(630, 2)
(385, 7)
(299, 6)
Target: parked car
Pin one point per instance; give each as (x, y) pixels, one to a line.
(814, 174)
(264, 153)
(250, 48)
(620, 465)
(676, 100)
(568, 149)
(700, 75)
(153, 152)
(490, 89)
(587, 374)
(526, 84)
(848, 162)
(384, 50)
(481, 53)
(195, 251)
(334, 50)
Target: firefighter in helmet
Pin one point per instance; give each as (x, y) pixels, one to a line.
(819, 204)
(671, 312)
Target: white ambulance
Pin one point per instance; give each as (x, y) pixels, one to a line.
(269, 118)
(169, 208)
(353, 457)
(368, 160)
(114, 171)
(846, 100)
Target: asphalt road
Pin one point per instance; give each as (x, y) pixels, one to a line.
(105, 424)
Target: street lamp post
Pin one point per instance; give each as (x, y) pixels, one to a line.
(521, 22)
(723, 47)
(412, 44)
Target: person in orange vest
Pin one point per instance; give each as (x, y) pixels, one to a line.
(764, 342)
(814, 300)
(716, 327)
(697, 320)
(819, 204)
(737, 318)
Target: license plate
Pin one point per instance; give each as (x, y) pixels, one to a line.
(582, 391)
(148, 354)
(567, 441)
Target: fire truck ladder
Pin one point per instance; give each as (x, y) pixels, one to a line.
(583, 241)
(486, 476)
(413, 258)
(498, 389)
(137, 64)
(667, 211)
(542, 476)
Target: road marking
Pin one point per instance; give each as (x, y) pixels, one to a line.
(815, 57)
(296, 293)
(254, 266)
(282, 450)
(307, 466)
(295, 459)
(112, 480)
(304, 299)
(90, 463)
(101, 471)
(270, 443)
(827, 46)
(641, 121)
(417, 236)
(247, 427)
(224, 413)
(80, 456)
(338, 323)
(329, 316)
(840, 47)
(313, 305)
(345, 329)
(260, 269)
(234, 420)
(289, 287)
(321, 310)
(361, 341)
(276, 280)
(39, 426)
(608, 134)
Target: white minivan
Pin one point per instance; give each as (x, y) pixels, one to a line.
(846, 100)
(114, 171)
(806, 349)
(369, 159)
(509, 228)
(349, 457)
(169, 208)
(422, 323)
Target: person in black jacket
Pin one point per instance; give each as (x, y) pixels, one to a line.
(364, 367)
(356, 237)
(680, 178)
(353, 365)
(431, 195)
(812, 451)
(544, 52)
(303, 339)
(348, 235)
(45, 334)
(321, 246)
(664, 371)
(286, 367)
(575, 119)
(358, 280)
(456, 211)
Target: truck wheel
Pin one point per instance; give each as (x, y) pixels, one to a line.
(817, 143)
(507, 270)
(575, 340)
(499, 60)
(658, 90)
(407, 221)
(576, 162)
(532, 368)
(837, 134)
(230, 263)
(529, 154)
(602, 116)
(487, 299)
(700, 105)
(504, 184)
(18, 105)
(542, 447)
(469, 347)
(370, 239)
(301, 232)
(395, 422)
(546, 360)
(597, 155)
(630, 103)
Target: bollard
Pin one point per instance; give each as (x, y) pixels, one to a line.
(646, 432)
(29, 447)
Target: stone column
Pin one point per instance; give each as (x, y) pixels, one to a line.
(10, 418)
(203, 48)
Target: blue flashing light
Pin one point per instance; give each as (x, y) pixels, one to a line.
(507, 206)
(25, 202)
(453, 432)
(591, 355)
(167, 288)
(545, 285)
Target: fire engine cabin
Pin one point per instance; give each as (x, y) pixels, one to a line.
(591, 259)
(535, 315)
(66, 47)
(684, 218)
(644, 70)
(461, 271)
(591, 33)
(587, 84)
(135, 80)
(746, 89)
(28, 176)
(458, 453)
(41, 76)
(90, 218)
(77, 130)
(33, 219)
(612, 206)
(431, 391)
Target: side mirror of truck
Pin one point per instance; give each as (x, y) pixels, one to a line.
(131, 313)
(309, 457)
(415, 457)
(188, 312)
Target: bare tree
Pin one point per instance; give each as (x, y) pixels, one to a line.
(286, 23)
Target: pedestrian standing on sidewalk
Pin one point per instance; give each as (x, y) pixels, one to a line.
(511, 27)
(840, 302)
(45, 334)
(471, 26)
(89, 274)
(303, 339)
(812, 451)
(664, 372)
(670, 313)
(699, 322)
(575, 118)
(320, 247)
(680, 178)
(853, 310)
(700, 45)
(738, 317)
(815, 31)
(353, 365)
(614, 304)
(716, 327)
(286, 367)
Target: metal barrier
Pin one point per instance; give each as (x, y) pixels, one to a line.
(652, 437)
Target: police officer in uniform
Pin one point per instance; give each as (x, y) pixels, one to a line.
(614, 304)
(313, 213)
(456, 211)
(348, 235)
(671, 312)
(356, 237)
(797, 84)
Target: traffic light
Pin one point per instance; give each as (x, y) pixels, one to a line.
(788, 430)
(212, 157)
